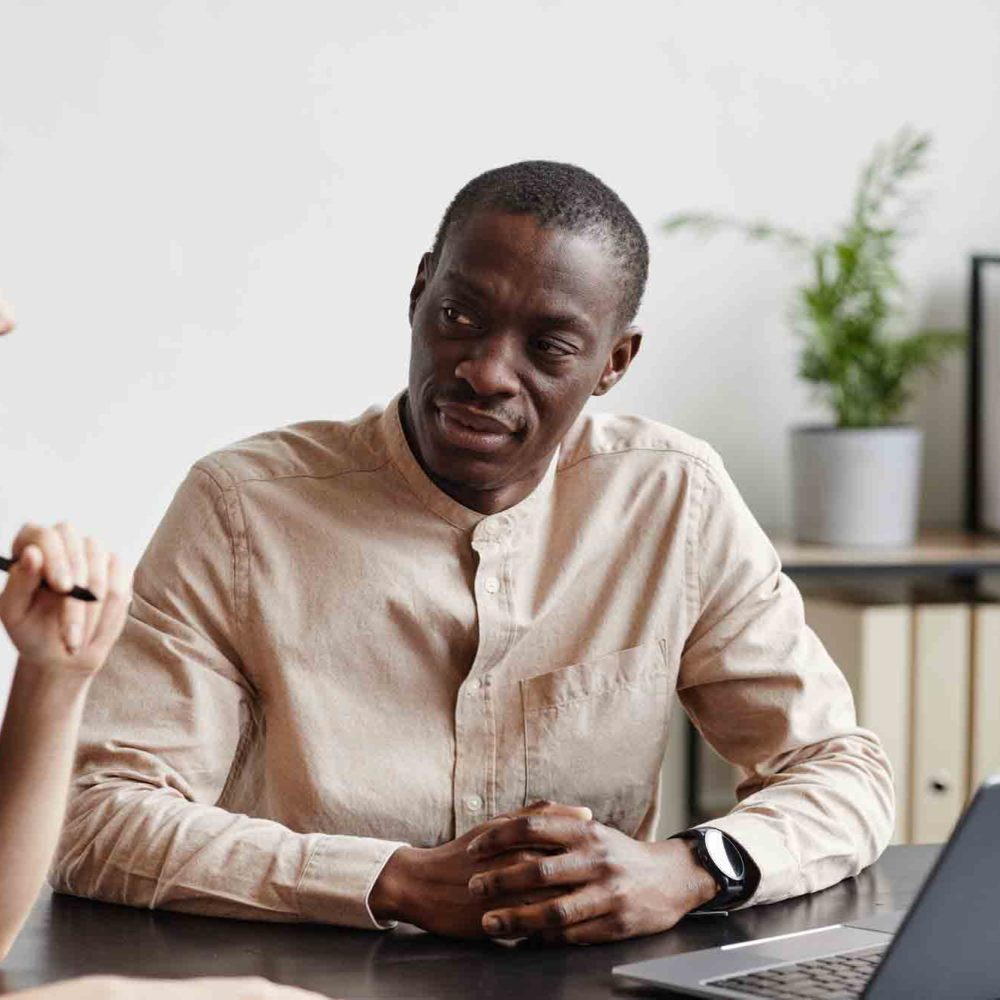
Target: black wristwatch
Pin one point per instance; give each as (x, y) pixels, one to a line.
(725, 861)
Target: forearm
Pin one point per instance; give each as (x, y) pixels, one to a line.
(37, 746)
(820, 814)
(145, 845)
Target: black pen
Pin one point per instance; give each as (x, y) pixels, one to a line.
(80, 593)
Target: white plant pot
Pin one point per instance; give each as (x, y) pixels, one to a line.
(856, 486)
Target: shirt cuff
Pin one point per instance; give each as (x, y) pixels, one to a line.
(779, 871)
(338, 879)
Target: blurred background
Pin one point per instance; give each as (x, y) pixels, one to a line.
(211, 212)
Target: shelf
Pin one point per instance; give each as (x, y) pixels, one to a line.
(944, 552)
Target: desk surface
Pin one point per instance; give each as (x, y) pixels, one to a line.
(68, 937)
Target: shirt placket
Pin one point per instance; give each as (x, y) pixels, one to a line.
(475, 721)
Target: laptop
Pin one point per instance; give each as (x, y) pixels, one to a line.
(945, 947)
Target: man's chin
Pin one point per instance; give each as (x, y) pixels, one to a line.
(478, 473)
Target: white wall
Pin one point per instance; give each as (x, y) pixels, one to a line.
(210, 213)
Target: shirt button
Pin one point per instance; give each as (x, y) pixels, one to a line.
(492, 585)
(473, 803)
(472, 686)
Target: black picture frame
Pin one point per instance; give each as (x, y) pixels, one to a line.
(973, 484)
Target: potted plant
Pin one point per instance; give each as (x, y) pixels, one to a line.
(856, 481)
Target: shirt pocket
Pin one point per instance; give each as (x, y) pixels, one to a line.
(595, 733)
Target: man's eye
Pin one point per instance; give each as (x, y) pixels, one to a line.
(552, 348)
(453, 315)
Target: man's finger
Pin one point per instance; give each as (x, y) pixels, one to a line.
(610, 927)
(574, 868)
(549, 808)
(541, 806)
(529, 830)
(563, 911)
(516, 857)
(22, 585)
(524, 896)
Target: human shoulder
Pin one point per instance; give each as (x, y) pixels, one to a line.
(317, 449)
(621, 436)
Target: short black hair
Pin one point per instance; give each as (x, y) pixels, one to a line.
(560, 196)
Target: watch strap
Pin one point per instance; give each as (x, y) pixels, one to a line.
(731, 890)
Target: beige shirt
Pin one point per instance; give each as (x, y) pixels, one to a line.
(328, 657)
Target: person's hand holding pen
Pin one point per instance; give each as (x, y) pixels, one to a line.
(62, 642)
(51, 631)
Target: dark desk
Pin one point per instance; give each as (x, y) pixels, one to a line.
(71, 937)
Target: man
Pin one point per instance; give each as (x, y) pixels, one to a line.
(357, 650)
(61, 644)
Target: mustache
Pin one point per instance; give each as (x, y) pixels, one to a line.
(503, 414)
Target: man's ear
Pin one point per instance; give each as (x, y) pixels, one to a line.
(424, 269)
(626, 348)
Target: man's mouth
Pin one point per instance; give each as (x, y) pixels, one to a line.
(473, 429)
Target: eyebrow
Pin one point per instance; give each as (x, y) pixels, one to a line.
(567, 321)
(562, 320)
(465, 282)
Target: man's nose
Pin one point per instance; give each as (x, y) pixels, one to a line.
(490, 367)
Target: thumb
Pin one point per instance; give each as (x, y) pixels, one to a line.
(549, 808)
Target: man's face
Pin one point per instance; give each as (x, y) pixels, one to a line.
(512, 330)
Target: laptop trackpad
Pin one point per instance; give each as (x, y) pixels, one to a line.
(887, 922)
(802, 947)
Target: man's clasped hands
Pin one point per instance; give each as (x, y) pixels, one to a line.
(548, 871)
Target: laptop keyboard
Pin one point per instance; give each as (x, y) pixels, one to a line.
(839, 977)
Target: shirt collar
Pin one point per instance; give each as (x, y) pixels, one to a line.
(489, 527)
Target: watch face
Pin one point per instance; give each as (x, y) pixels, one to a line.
(724, 854)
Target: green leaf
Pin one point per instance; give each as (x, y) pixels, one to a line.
(848, 313)
(709, 224)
